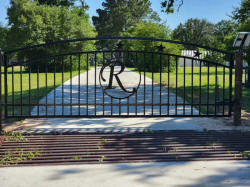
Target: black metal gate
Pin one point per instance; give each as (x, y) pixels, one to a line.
(135, 77)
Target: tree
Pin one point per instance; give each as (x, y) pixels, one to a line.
(118, 16)
(224, 28)
(242, 14)
(3, 35)
(194, 31)
(152, 30)
(223, 37)
(31, 24)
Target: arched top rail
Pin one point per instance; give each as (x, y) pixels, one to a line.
(116, 38)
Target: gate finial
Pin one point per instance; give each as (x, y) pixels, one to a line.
(197, 54)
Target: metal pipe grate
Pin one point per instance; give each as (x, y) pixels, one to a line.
(126, 148)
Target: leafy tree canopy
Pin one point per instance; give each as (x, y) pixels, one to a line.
(242, 13)
(118, 16)
(194, 31)
(3, 35)
(152, 30)
(31, 24)
(224, 28)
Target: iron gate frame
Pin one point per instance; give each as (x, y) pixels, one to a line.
(230, 67)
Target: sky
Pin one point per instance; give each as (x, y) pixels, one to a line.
(212, 10)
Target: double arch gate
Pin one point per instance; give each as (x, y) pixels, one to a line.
(133, 77)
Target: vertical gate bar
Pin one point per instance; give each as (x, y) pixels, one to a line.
(38, 91)
(111, 102)
(245, 75)
(95, 80)
(128, 99)
(119, 106)
(144, 72)
(128, 105)
(79, 82)
(200, 90)
(120, 56)
(192, 88)
(160, 81)
(176, 84)
(87, 61)
(136, 94)
(46, 84)
(54, 87)
(13, 90)
(168, 83)
(5, 86)
(223, 101)
(21, 88)
(231, 84)
(29, 88)
(208, 77)
(184, 87)
(216, 90)
(87, 88)
(70, 85)
(62, 85)
(152, 65)
(103, 96)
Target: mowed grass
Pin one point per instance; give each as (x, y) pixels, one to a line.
(203, 87)
(30, 91)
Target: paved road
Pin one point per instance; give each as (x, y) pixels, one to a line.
(195, 174)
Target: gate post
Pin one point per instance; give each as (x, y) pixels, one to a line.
(238, 87)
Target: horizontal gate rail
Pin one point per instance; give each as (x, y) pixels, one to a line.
(116, 38)
(115, 51)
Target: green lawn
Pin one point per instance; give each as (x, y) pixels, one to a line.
(35, 94)
(204, 86)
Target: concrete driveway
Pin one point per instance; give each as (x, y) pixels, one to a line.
(92, 93)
